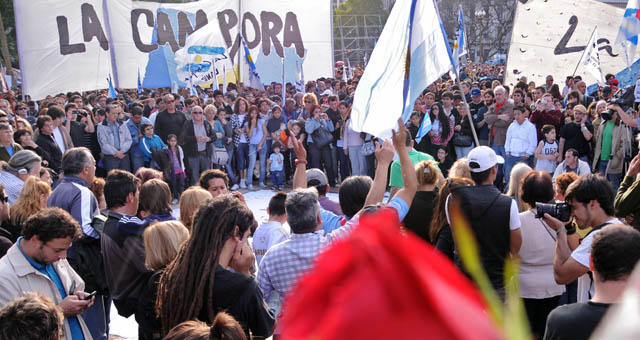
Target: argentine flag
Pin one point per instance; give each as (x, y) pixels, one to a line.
(250, 67)
(425, 127)
(412, 53)
(460, 46)
(627, 38)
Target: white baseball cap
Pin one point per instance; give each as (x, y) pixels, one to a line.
(483, 158)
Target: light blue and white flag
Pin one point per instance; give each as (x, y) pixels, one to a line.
(250, 68)
(460, 46)
(203, 56)
(224, 79)
(299, 78)
(139, 82)
(412, 53)
(112, 91)
(627, 39)
(425, 127)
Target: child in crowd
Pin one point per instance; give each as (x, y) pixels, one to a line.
(149, 142)
(276, 162)
(547, 150)
(176, 159)
(444, 161)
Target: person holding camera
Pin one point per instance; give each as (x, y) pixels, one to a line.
(590, 201)
(538, 289)
(612, 141)
(575, 133)
(77, 126)
(627, 201)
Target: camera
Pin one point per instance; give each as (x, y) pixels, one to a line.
(607, 115)
(561, 211)
(624, 97)
(75, 112)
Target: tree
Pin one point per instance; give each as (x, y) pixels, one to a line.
(489, 34)
(8, 19)
(352, 7)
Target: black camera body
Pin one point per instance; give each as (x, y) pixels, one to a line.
(624, 97)
(561, 211)
(606, 115)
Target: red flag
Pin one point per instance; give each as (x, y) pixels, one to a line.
(380, 284)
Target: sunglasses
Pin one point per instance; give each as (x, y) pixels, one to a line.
(169, 102)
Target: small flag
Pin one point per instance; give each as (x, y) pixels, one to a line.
(283, 83)
(591, 60)
(629, 31)
(299, 78)
(459, 47)
(254, 78)
(139, 83)
(365, 59)
(425, 127)
(224, 79)
(344, 72)
(112, 91)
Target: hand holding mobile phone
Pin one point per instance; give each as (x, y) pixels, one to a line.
(88, 297)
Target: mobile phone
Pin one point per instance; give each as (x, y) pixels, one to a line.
(88, 297)
(73, 288)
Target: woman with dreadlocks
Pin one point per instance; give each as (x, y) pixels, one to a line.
(196, 285)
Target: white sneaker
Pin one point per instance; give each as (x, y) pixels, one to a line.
(242, 184)
(261, 185)
(235, 187)
(250, 186)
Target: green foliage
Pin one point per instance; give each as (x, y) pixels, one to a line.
(6, 10)
(351, 7)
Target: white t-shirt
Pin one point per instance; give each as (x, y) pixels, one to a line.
(581, 255)
(267, 235)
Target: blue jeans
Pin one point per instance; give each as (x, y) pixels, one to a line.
(253, 153)
(229, 168)
(463, 151)
(112, 162)
(97, 317)
(137, 160)
(344, 161)
(241, 156)
(614, 179)
(198, 165)
(509, 163)
(499, 149)
(277, 178)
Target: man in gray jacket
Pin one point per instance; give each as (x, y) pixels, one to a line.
(115, 140)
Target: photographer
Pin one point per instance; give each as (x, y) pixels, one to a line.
(627, 202)
(590, 199)
(612, 141)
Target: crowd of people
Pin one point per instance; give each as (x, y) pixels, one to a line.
(89, 184)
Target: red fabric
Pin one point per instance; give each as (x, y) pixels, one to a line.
(380, 284)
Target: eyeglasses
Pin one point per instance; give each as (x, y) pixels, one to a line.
(196, 112)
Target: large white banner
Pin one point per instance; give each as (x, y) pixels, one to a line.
(549, 37)
(71, 45)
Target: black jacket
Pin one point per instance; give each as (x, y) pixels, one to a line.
(188, 138)
(169, 123)
(50, 151)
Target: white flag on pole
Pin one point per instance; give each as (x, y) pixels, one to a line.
(591, 60)
(393, 80)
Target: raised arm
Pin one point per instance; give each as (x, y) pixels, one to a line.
(300, 174)
(384, 155)
(410, 182)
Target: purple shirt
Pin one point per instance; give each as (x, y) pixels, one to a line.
(327, 204)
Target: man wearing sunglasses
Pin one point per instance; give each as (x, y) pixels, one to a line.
(169, 121)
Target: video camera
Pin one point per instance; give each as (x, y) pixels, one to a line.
(561, 211)
(624, 97)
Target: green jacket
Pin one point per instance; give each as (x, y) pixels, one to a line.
(628, 200)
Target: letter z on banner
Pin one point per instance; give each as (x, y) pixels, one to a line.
(76, 45)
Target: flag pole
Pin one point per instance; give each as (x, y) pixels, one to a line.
(583, 52)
